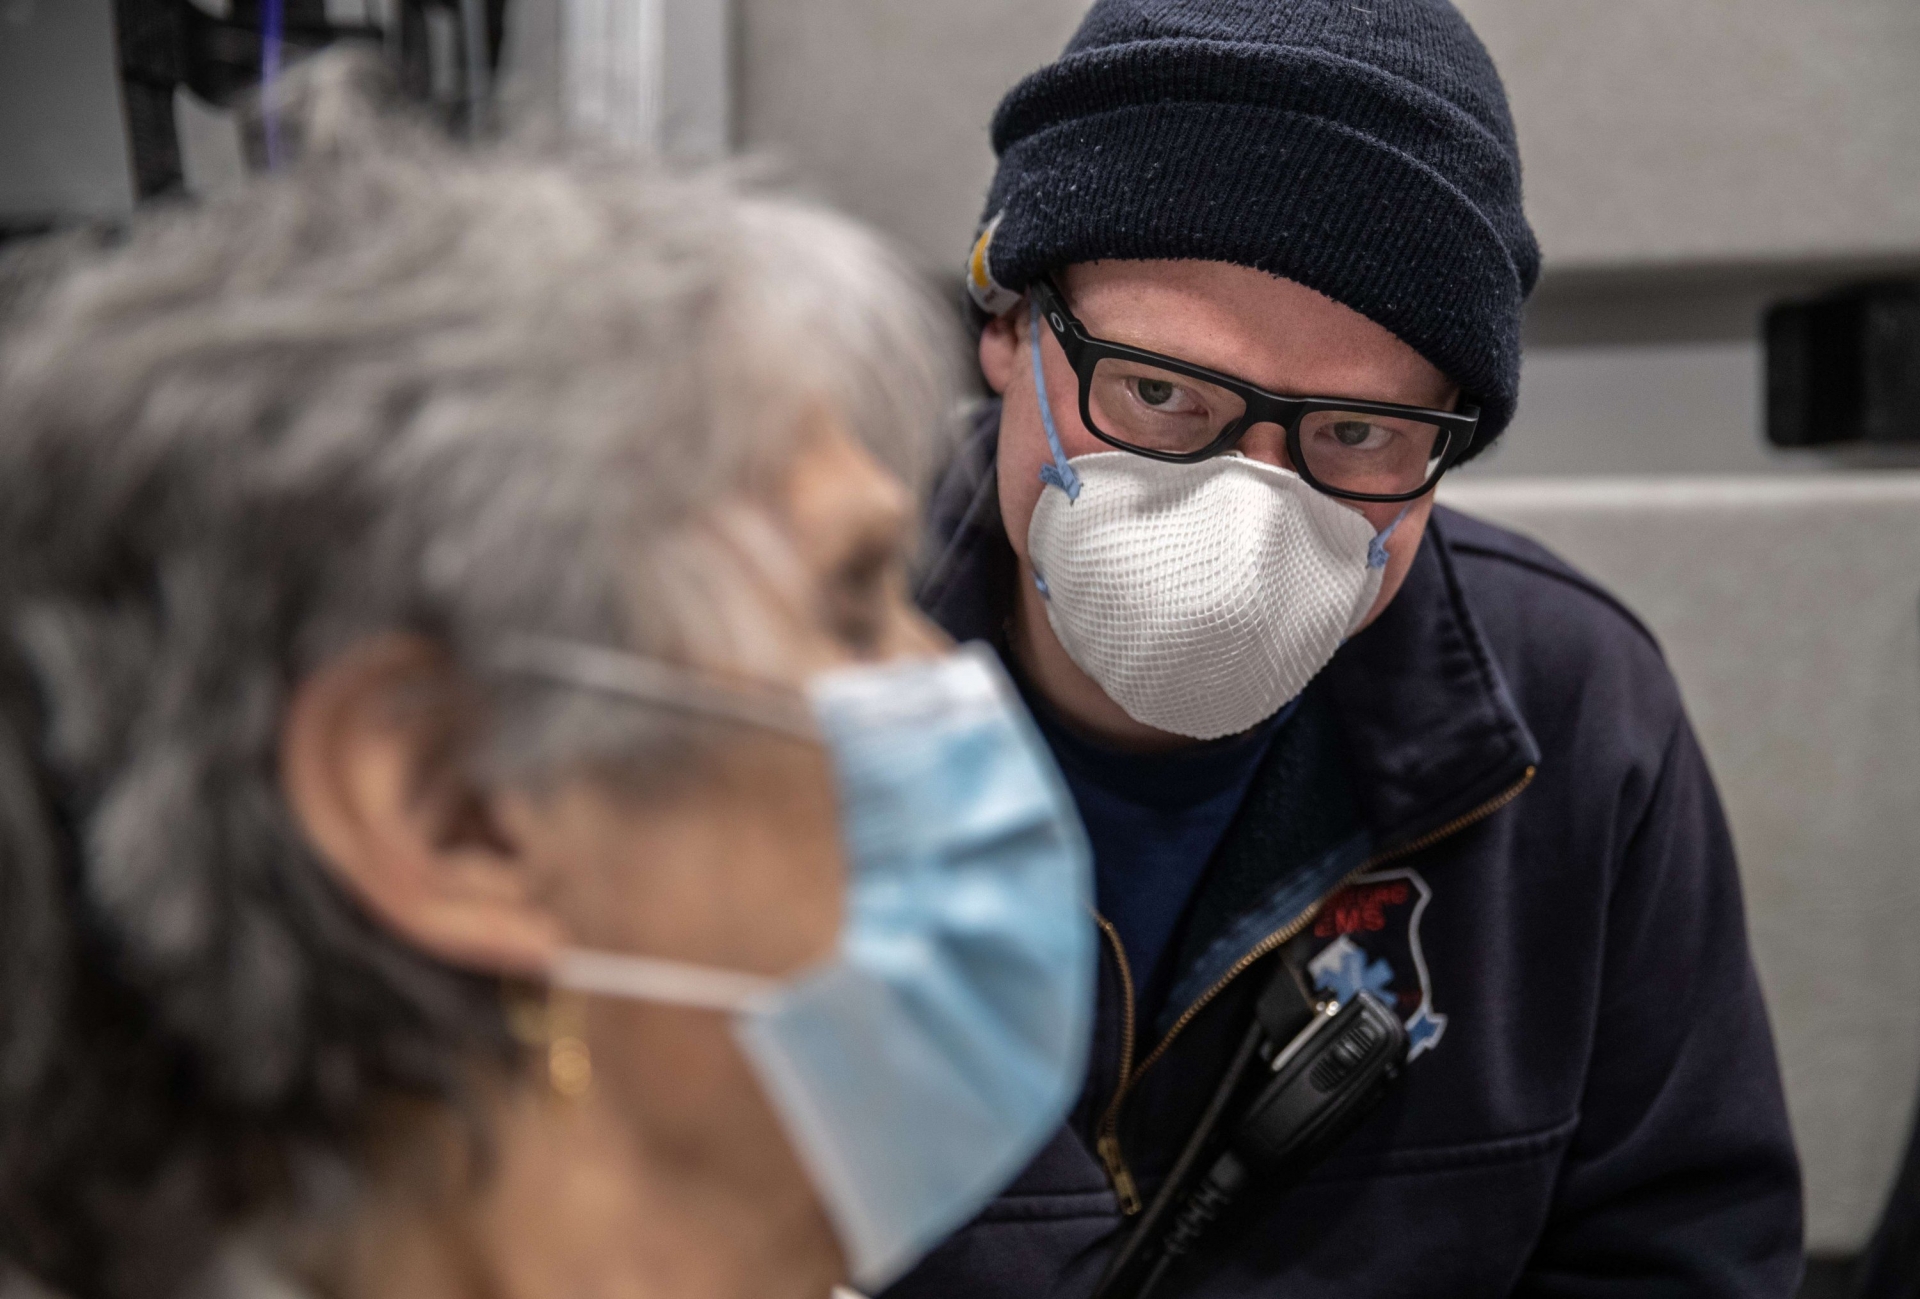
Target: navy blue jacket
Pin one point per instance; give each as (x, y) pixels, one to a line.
(1489, 808)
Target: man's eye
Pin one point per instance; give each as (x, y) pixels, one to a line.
(1165, 395)
(1355, 433)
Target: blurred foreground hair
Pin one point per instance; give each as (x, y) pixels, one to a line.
(398, 387)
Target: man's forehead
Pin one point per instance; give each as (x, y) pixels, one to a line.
(1264, 328)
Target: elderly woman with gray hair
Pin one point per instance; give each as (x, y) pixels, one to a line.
(478, 814)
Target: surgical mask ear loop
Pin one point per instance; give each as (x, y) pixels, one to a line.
(1377, 548)
(1060, 474)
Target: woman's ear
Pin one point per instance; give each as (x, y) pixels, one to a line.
(368, 764)
(1000, 348)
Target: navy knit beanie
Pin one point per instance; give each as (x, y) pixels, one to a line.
(1360, 147)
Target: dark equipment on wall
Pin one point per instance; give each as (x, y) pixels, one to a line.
(445, 52)
(1325, 1068)
(1845, 368)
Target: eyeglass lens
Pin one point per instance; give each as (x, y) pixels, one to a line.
(1153, 409)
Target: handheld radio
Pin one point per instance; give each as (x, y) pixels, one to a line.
(1327, 1066)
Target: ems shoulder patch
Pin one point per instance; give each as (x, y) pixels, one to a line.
(1368, 936)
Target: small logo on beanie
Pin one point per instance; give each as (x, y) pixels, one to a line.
(987, 293)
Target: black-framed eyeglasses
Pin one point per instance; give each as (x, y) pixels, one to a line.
(1166, 409)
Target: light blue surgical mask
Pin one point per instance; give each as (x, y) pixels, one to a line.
(922, 1066)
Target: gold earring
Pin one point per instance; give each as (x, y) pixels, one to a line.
(551, 1023)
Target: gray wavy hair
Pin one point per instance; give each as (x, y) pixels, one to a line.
(463, 394)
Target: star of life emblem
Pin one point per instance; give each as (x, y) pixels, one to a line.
(1370, 936)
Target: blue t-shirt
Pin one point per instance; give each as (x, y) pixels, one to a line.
(1154, 820)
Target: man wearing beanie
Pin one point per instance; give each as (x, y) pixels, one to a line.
(1250, 279)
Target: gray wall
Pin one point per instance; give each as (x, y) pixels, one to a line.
(62, 142)
(882, 105)
(1661, 132)
(1660, 371)
(1656, 133)
(694, 86)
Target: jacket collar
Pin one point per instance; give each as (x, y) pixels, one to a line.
(1431, 731)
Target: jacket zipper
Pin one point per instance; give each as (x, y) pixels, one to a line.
(1107, 1135)
(1108, 1146)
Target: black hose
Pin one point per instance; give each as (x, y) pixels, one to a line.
(1208, 1201)
(1146, 1229)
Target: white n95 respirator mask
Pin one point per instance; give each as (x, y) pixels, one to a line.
(1201, 597)
(920, 1067)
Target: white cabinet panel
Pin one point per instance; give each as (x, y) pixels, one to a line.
(882, 106)
(1661, 131)
(63, 146)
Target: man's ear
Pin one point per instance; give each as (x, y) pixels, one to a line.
(1000, 349)
(367, 764)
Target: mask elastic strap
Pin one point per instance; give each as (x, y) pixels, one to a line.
(1059, 473)
(660, 685)
(1377, 548)
(643, 978)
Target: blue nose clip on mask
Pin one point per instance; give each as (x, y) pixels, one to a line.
(1059, 472)
(920, 1068)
